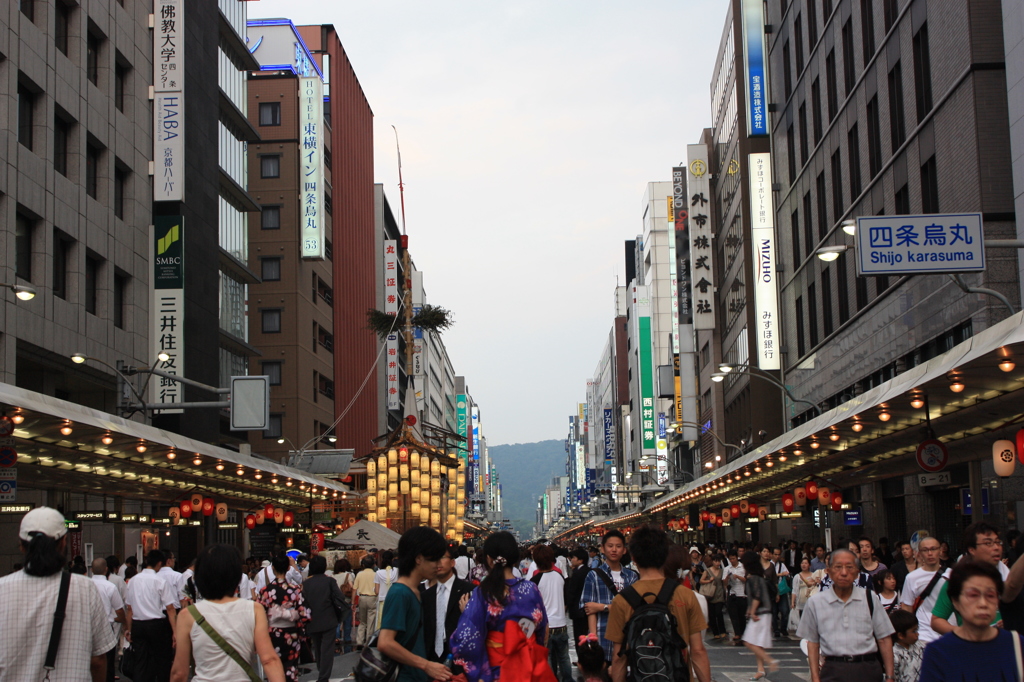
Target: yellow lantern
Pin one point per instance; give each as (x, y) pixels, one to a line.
(459, 526)
(435, 519)
(435, 468)
(392, 456)
(371, 517)
(414, 477)
(435, 503)
(414, 459)
(371, 484)
(451, 505)
(371, 467)
(460, 509)
(460, 480)
(460, 494)
(392, 490)
(451, 520)
(425, 498)
(382, 512)
(393, 474)
(392, 505)
(425, 515)
(382, 481)
(403, 487)
(435, 484)
(382, 464)
(371, 502)
(403, 471)
(414, 508)
(414, 491)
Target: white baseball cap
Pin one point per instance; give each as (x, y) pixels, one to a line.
(45, 520)
(694, 549)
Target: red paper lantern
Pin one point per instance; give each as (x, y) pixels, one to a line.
(316, 543)
(788, 502)
(208, 506)
(289, 519)
(812, 490)
(250, 521)
(186, 508)
(752, 509)
(762, 513)
(837, 501)
(268, 511)
(800, 496)
(718, 522)
(1020, 446)
(403, 454)
(736, 511)
(704, 515)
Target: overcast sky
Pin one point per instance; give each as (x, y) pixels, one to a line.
(529, 130)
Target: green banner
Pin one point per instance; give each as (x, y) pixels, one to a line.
(647, 385)
(169, 256)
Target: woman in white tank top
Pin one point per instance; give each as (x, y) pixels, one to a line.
(242, 624)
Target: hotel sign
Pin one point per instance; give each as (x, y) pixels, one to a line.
(311, 161)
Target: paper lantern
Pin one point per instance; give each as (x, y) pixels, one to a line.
(175, 514)
(435, 468)
(435, 484)
(392, 490)
(382, 512)
(403, 454)
(268, 511)
(762, 513)
(414, 508)
(788, 501)
(800, 496)
(414, 459)
(435, 519)
(812, 490)
(382, 481)
(197, 502)
(222, 511)
(371, 517)
(425, 515)
(435, 503)
(824, 496)
(250, 521)
(260, 518)
(414, 478)
(392, 474)
(718, 522)
(392, 505)
(727, 514)
(403, 472)
(744, 506)
(752, 509)
(208, 506)
(289, 519)
(371, 468)
(278, 515)
(371, 502)
(186, 509)
(382, 464)
(403, 487)
(371, 484)
(736, 511)
(704, 515)
(1020, 446)
(425, 497)
(392, 456)
(837, 501)
(316, 543)
(1004, 455)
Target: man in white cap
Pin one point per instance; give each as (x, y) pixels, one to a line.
(30, 602)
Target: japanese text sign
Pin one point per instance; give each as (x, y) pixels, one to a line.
(762, 232)
(915, 244)
(700, 236)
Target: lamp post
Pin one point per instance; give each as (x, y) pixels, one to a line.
(123, 372)
(730, 369)
(22, 291)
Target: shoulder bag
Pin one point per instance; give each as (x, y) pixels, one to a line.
(374, 666)
(708, 589)
(58, 624)
(928, 590)
(224, 645)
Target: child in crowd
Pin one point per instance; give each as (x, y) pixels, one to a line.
(907, 652)
(591, 662)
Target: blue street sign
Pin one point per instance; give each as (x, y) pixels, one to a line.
(919, 244)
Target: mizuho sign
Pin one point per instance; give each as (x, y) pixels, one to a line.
(920, 244)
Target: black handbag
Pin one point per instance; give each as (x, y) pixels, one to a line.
(306, 652)
(129, 659)
(373, 666)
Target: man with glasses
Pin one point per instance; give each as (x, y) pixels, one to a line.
(848, 626)
(921, 588)
(982, 543)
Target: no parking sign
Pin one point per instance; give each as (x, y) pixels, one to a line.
(8, 485)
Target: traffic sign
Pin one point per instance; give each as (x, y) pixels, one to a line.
(925, 480)
(6, 425)
(919, 244)
(8, 485)
(932, 455)
(8, 454)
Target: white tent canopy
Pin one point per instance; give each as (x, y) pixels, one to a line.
(368, 534)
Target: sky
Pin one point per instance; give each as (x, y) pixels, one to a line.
(529, 130)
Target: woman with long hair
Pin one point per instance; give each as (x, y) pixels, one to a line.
(345, 578)
(757, 636)
(504, 624)
(287, 615)
(804, 585)
(386, 576)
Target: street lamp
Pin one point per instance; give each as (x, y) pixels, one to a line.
(22, 291)
(720, 376)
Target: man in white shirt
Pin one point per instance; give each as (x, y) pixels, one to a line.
(172, 577)
(735, 578)
(552, 590)
(443, 602)
(112, 565)
(463, 564)
(111, 600)
(131, 561)
(924, 582)
(150, 620)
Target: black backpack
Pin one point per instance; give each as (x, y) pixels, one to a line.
(653, 648)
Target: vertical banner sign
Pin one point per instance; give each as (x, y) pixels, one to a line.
(673, 275)
(762, 233)
(609, 443)
(680, 212)
(701, 234)
(678, 388)
(394, 401)
(475, 416)
(642, 303)
(462, 428)
(391, 277)
(168, 101)
(311, 160)
(167, 332)
(756, 86)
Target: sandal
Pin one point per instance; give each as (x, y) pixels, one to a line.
(759, 676)
(773, 666)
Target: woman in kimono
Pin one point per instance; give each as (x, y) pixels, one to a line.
(504, 625)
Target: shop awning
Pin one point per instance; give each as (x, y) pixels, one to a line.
(170, 465)
(988, 408)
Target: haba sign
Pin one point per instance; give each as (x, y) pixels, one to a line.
(167, 321)
(168, 101)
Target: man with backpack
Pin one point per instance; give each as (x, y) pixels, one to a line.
(602, 584)
(656, 624)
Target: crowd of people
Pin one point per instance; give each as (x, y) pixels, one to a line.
(639, 608)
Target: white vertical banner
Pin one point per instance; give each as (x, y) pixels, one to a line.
(673, 275)
(167, 308)
(701, 235)
(391, 277)
(762, 233)
(311, 162)
(168, 101)
(394, 402)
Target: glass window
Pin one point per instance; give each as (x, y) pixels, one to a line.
(874, 138)
(23, 229)
(273, 370)
(922, 73)
(929, 187)
(120, 185)
(120, 82)
(26, 114)
(62, 245)
(897, 117)
(233, 306)
(92, 58)
(121, 280)
(853, 142)
(867, 26)
(61, 137)
(271, 218)
(787, 71)
(271, 321)
(271, 270)
(62, 28)
(270, 113)
(270, 166)
(92, 162)
(92, 276)
(274, 427)
(28, 8)
(849, 61)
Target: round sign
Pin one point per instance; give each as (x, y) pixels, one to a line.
(6, 426)
(932, 455)
(8, 457)
(7, 487)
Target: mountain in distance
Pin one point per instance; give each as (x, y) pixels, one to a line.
(525, 470)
